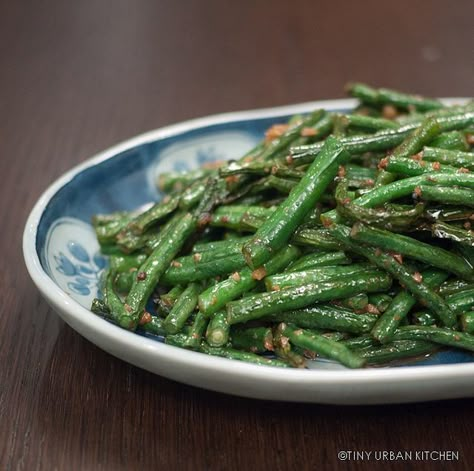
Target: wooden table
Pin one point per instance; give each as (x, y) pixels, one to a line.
(76, 77)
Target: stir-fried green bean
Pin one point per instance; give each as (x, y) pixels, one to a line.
(361, 245)
(277, 230)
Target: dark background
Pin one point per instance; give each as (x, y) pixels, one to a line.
(78, 76)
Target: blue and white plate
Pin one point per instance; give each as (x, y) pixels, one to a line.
(63, 258)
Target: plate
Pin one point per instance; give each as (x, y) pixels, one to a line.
(63, 259)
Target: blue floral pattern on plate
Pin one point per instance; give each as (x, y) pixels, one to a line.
(83, 269)
(73, 259)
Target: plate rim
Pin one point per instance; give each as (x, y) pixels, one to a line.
(81, 319)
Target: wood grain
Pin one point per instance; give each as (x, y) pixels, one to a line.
(76, 77)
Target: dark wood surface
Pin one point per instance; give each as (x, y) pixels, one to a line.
(78, 76)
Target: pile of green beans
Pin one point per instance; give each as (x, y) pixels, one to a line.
(342, 236)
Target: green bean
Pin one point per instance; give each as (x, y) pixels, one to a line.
(453, 140)
(252, 339)
(382, 140)
(322, 346)
(467, 322)
(393, 180)
(319, 259)
(283, 185)
(193, 194)
(217, 334)
(110, 249)
(405, 275)
(98, 220)
(178, 181)
(395, 351)
(154, 326)
(269, 183)
(316, 132)
(172, 295)
(313, 218)
(259, 305)
(412, 168)
(107, 230)
(283, 349)
(123, 263)
(359, 144)
(251, 223)
(356, 343)
(413, 248)
(129, 242)
(207, 256)
(447, 195)
(386, 217)
(369, 123)
(217, 296)
(277, 230)
(356, 172)
(449, 157)
(384, 178)
(182, 309)
(421, 136)
(231, 246)
(112, 307)
(322, 128)
(340, 124)
(242, 168)
(154, 267)
(260, 168)
(366, 110)
(181, 272)
(248, 357)
(123, 281)
(415, 117)
(177, 340)
(171, 241)
(326, 316)
(231, 216)
(454, 286)
(139, 224)
(317, 238)
(461, 301)
(385, 96)
(336, 336)
(100, 308)
(282, 142)
(380, 301)
(157, 238)
(197, 331)
(315, 275)
(400, 188)
(358, 302)
(400, 306)
(440, 335)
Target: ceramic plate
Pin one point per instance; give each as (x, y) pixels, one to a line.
(63, 258)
